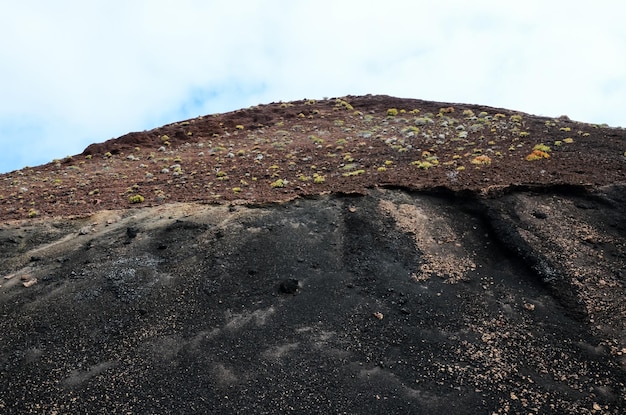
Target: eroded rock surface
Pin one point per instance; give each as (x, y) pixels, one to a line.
(387, 302)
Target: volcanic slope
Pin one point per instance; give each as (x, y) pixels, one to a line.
(281, 151)
(354, 255)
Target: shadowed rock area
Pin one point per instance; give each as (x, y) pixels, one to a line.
(403, 303)
(377, 299)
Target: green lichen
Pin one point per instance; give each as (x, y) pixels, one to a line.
(353, 173)
(318, 178)
(425, 165)
(136, 199)
(278, 184)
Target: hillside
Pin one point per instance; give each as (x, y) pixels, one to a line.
(355, 255)
(281, 151)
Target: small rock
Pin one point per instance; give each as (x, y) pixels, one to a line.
(529, 306)
(378, 315)
(30, 282)
(85, 230)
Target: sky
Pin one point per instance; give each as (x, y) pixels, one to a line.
(74, 73)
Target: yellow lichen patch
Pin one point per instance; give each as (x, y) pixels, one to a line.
(422, 164)
(136, 199)
(542, 147)
(353, 173)
(481, 160)
(278, 183)
(318, 178)
(537, 155)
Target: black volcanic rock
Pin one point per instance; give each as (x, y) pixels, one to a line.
(413, 303)
(289, 286)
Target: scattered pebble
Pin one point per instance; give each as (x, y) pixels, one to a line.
(378, 315)
(85, 230)
(30, 282)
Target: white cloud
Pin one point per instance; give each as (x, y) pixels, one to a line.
(78, 72)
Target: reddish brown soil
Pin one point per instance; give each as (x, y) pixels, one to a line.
(353, 143)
